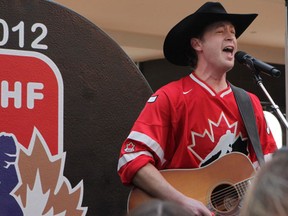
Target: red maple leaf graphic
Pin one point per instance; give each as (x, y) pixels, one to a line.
(211, 136)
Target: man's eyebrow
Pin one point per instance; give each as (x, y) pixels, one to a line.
(223, 23)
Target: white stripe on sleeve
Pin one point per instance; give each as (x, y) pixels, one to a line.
(152, 144)
(126, 158)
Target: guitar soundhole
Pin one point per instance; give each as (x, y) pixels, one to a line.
(225, 198)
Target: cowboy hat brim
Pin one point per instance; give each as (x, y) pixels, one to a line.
(177, 40)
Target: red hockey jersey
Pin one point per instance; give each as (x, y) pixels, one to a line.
(186, 124)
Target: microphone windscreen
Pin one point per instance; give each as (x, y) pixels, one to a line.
(239, 56)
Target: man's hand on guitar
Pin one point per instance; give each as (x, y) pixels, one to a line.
(152, 182)
(195, 206)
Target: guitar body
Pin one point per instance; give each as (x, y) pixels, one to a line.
(220, 185)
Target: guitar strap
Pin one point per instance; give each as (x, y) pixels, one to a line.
(248, 116)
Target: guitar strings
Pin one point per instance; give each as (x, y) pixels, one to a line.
(229, 191)
(232, 191)
(219, 202)
(220, 199)
(242, 183)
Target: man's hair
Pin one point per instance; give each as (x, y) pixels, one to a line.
(269, 190)
(191, 53)
(192, 57)
(156, 207)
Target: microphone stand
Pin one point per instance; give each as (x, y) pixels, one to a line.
(286, 59)
(274, 106)
(259, 82)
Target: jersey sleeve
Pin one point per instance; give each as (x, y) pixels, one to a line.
(147, 139)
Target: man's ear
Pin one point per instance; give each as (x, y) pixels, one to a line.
(195, 44)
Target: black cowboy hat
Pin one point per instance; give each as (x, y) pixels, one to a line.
(177, 41)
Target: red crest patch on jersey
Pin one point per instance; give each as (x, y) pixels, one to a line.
(130, 147)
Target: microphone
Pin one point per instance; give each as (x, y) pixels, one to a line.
(252, 63)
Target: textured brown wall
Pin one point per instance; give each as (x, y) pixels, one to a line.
(103, 94)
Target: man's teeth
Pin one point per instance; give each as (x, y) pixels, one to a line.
(228, 49)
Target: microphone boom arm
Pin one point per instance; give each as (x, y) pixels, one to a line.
(275, 107)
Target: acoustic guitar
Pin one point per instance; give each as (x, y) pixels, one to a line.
(220, 185)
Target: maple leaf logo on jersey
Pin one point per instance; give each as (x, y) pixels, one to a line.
(130, 147)
(226, 143)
